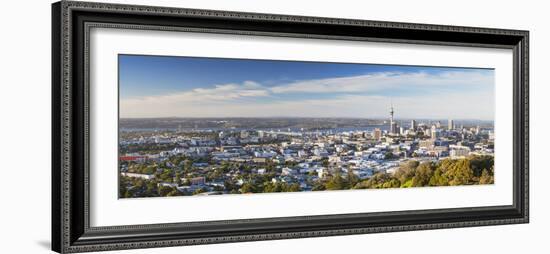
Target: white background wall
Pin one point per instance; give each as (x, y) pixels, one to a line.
(25, 125)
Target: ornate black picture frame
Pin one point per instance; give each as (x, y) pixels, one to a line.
(71, 22)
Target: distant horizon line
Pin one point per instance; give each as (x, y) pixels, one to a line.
(302, 117)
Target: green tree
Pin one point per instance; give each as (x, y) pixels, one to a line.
(392, 183)
(423, 174)
(286, 187)
(178, 178)
(460, 172)
(164, 190)
(272, 187)
(379, 180)
(480, 163)
(406, 171)
(188, 165)
(269, 165)
(199, 191)
(407, 184)
(318, 186)
(336, 182)
(123, 182)
(353, 179)
(173, 193)
(151, 189)
(130, 192)
(248, 188)
(149, 170)
(438, 178)
(486, 177)
(166, 176)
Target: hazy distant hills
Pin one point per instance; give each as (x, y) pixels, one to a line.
(270, 123)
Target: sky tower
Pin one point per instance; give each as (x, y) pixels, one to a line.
(391, 113)
(393, 124)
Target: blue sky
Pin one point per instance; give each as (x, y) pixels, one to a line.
(163, 86)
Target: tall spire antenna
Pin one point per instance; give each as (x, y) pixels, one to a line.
(391, 109)
(393, 125)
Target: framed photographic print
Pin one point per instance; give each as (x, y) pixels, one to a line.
(181, 126)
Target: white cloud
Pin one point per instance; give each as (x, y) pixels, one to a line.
(224, 92)
(251, 99)
(387, 80)
(460, 106)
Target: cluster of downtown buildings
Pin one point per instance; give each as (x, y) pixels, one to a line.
(299, 156)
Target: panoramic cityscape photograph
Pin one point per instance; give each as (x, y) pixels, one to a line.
(197, 126)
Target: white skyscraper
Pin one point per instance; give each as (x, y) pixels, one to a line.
(451, 124)
(433, 132)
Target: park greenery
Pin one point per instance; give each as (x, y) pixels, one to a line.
(179, 170)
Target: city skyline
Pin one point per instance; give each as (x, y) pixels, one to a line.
(203, 126)
(311, 117)
(187, 87)
(223, 158)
